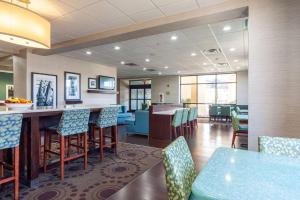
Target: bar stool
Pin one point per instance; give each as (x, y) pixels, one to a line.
(184, 122)
(176, 123)
(190, 120)
(239, 130)
(72, 122)
(107, 118)
(195, 122)
(10, 131)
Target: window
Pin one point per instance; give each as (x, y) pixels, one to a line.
(140, 93)
(204, 90)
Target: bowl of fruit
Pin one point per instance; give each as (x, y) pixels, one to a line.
(18, 103)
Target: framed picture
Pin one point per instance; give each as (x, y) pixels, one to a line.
(92, 83)
(44, 89)
(9, 91)
(72, 86)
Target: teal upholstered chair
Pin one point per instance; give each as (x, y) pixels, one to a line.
(195, 116)
(176, 123)
(139, 124)
(180, 169)
(72, 122)
(280, 146)
(184, 121)
(191, 119)
(213, 112)
(10, 131)
(238, 129)
(225, 112)
(107, 119)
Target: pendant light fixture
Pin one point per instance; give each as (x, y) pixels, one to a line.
(21, 26)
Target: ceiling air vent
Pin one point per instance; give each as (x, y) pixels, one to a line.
(212, 51)
(131, 64)
(151, 70)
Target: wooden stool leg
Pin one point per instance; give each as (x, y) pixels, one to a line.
(62, 157)
(16, 171)
(69, 146)
(78, 143)
(101, 138)
(115, 128)
(46, 138)
(85, 145)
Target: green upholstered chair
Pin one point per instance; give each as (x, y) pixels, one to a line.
(184, 121)
(176, 122)
(10, 131)
(180, 169)
(72, 123)
(195, 116)
(280, 146)
(213, 112)
(225, 112)
(238, 129)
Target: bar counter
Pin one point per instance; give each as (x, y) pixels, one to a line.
(30, 142)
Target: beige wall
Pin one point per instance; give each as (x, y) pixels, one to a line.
(20, 71)
(57, 65)
(165, 84)
(242, 88)
(124, 92)
(274, 72)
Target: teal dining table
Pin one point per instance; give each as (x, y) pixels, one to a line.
(233, 174)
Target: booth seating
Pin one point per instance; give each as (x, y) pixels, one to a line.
(123, 115)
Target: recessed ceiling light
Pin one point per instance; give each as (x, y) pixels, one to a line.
(144, 68)
(122, 63)
(174, 37)
(147, 60)
(226, 28)
(88, 53)
(178, 72)
(212, 70)
(159, 73)
(193, 54)
(235, 61)
(166, 67)
(204, 63)
(232, 49)
(117, 48)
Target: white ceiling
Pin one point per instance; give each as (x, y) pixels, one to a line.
(162, 51)
(76, 18)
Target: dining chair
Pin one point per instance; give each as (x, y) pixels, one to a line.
(72, 122)
(176, 123)
(179, 168)
(225, 113)
(191, 119)
(238, 129)
(184, 122)
(107, 118)
(10, 131)
(279, 146)
(213, 112)
(195, 116)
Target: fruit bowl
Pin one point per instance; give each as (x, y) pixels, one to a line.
(18, 103)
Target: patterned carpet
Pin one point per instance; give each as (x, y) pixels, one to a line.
(99, 181)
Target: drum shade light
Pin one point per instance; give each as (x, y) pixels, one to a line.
(21, 26)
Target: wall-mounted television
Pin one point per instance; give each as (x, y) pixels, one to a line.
(106, 83)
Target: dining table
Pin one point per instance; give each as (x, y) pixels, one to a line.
(233, 174)
(35, 120)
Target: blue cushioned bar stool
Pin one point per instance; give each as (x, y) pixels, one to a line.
(191, 120)
(72, 122)
(184, 121)
(107, 118)
(176, 123)
(10, 131)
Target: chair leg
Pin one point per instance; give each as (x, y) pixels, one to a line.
(46, 142)
(78, 143)
(85, 145)
(68, 146)
(101, 138)
(62, 157)
(233, 140)
(16, 171)
(115, 128)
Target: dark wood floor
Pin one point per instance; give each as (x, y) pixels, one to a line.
(151, 184)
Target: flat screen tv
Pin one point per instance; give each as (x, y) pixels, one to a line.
(106, 83)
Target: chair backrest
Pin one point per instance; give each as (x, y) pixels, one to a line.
(177, 118)
(74, 122)
(180, 169)
(108, 117)
(142, 120)
(213, 110)
(185, 115)
(10, 130)
(280, 146)
(225, 111)
(195, 112)
(191, 114)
